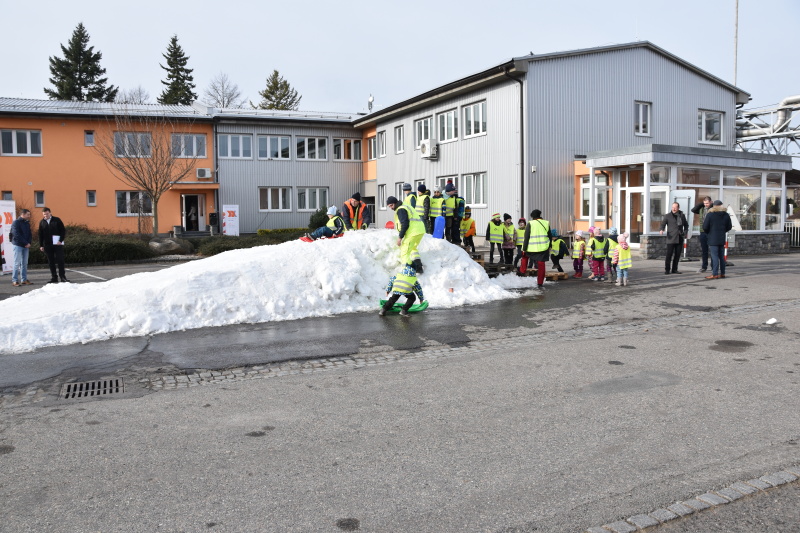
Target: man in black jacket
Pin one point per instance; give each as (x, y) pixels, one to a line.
(701, 210)
(676, 226)
(716, 224)
(51, 241)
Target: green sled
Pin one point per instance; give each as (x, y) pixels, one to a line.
(414, 308)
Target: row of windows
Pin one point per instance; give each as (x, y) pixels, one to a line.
(129, 203)
(236, 146)
(709, 123)
(472, 187)
(280, 198)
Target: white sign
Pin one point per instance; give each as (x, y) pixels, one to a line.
(230, 220)
(8, 209)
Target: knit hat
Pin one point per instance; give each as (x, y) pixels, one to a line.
(522, 219)
(717, 202)
(467, 210)
(422, 188)
(598, 231)
(449, 187)
(622, 238)
(496, 215)
(391, 200)
(506, 216)
(536, 213)
(407, 187)
(356, 196)
(437, 189)
(554, 233)
(332, 210)
(613, 231)
(591, 230)
(579, 233)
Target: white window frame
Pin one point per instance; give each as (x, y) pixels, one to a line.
(470, 181)
(447, 126)
(382, 197)
(270, 207)
(133, 144)
(268, 139)
(128, 202)
(702, 116)
(641, 118)
(398, 191)
(474, 127)
(399, 140)
(422, 130)
(381, 143)
(224, 144)
(342, 147)
(319, 204)
(29, 134)
(37, 202)
(600, 201)
(372, 148)
(190, 145)
(441, 182)
(88, 137)
(91, 198)
(320, 149)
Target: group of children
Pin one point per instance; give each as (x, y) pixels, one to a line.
(608, 255)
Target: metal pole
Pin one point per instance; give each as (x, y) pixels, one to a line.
(735, 41)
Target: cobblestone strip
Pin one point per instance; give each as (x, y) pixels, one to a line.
(708, 500)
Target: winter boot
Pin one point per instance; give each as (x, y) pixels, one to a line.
(382, 312)
(405, 313)
(578, 275)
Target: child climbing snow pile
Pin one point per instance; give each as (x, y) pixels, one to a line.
(403, 284)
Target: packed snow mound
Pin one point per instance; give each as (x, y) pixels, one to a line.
(264, 284)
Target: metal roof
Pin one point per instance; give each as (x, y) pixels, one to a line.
(62, 107)
(276, 114)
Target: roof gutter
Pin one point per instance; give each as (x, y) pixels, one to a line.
(521, 139)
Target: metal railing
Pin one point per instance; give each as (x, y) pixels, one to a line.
(792, 227)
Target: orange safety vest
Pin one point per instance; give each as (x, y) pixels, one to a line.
(356, 214)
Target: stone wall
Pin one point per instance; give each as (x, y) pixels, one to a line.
(655, 246)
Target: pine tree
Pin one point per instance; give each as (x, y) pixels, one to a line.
(179, 82)
(78, 76)
(278, 94)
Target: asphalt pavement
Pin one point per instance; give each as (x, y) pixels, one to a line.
(582, 407)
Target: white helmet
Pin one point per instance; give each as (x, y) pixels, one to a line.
(332, 210)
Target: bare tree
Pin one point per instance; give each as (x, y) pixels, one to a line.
(147, 153)
(223, 93)
(136, 96)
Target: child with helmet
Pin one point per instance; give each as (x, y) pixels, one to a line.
(333, 228)
(578, 253)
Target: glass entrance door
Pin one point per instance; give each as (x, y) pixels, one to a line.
(632, 211)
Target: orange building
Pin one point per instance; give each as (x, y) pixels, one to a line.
(54, 154)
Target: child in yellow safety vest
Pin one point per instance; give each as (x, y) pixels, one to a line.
(494, 236)
(598, 249)
(521, 225)
(403, 284)
(578, 253)
(509, 239)
(611, 268)
(558, 249)
(622, 259)
(467, 228)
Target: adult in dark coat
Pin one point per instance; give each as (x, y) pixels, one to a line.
(716, 224)
(701, 210)
(676, 225)
(51, 241)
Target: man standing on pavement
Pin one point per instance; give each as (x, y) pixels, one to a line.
(701, 210)
(716, 224)
(676, 226)
(21, 238)
(355, 213)
(51, 241)
(411, 230)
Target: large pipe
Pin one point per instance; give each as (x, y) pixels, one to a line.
(782, 119)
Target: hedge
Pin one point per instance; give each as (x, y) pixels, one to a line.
(93, 248)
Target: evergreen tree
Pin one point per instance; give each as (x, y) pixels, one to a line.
(179, 82)
(278, 94)
(78, 75)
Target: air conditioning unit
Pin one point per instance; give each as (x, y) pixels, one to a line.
(203, 173)
(429, 149)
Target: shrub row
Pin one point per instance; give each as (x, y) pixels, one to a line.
(209, 246)
(95, 248)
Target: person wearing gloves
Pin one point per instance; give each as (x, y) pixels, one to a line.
(403, 284)
(335, 226)
(424, 206)
(494, 236)
(509, 239)
(355, 213)
(468, 229)
(558, 249)
(537, 243)
(612, 243)
(437, 208)
(578, 253)
(621, 257)
(411, 230)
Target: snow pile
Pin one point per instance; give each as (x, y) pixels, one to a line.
(265, 284)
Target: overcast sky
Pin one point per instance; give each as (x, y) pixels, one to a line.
(338, 53)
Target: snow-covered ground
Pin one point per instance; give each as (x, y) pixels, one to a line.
(265, 284)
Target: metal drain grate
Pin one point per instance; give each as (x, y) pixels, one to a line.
(85, 389)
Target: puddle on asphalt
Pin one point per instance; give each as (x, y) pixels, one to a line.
(633, 383)
(730, 346)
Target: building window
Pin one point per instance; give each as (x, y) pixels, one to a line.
(600, 199)
(382, 196)
(475, 119)
(91, 198)
(273, 147)
(475, 189)
(641, 118)
(698, 176)
(709, 126)
(132, 144)
(372, 148)
(20, 142)
(133, 203)
(88, 138)
(448, 125)
(382, 144)
(8, 195)
(312, 148)
(347, 149)
(311, 198)
(747, 206)
(422, 130)
(235, 146)
(188, 145)
(274, 199)
(399, 140)
(442, 183)
(38, 198)
(741, 178)
(398, 191)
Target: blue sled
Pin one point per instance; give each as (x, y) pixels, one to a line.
(438, 228)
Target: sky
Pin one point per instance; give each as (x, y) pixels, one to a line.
(335, 54)
(249, 286)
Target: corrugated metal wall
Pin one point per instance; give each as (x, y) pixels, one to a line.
(240, 179)
(584, 103)
(496, 153)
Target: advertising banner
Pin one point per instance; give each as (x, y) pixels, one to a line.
(8, 210)
(230, 220)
